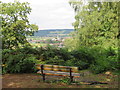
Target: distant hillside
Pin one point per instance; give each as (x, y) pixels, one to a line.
(53, 32)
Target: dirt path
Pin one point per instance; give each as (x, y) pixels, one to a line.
(35, 81)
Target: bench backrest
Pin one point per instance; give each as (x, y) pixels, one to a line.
(56, 68)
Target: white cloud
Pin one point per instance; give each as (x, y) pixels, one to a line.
(48, 14)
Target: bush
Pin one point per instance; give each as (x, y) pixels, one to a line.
(64, 54)
(18, 63)
(27, 50)
(50, 52)
(97, 59)
(106, 59)
(83, 57)
(55, 61)
(78, 63)
(70, 62)
(100, 66)
(113, 62)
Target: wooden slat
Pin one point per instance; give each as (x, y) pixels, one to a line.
(57, 66)
(59, 75)
(57, 69)
(77, 75)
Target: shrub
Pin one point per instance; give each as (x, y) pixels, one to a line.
(83, 57)
(106, 59)
(97, 59)
(78, 63)
(18, 63)
(70, 62)
(100, 66)
(51, 52)
(113, 62)
(27, 50)
(55, 61)
(64, 54)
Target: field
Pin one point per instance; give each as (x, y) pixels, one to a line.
(38, 44)
(37, 41)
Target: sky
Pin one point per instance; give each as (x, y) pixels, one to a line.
(50, 14)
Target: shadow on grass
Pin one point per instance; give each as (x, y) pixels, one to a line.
(66, 81)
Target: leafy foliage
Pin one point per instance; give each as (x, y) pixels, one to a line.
(105, 60)
(96, 59)
(93, 46)
(96, 23)
(15, 24)
(96, 29)
(18, 62)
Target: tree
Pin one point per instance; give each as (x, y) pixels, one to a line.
(96, 23)
(15, 24)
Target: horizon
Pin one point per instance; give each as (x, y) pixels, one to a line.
(57, 29)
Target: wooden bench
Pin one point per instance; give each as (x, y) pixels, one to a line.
(57, 70)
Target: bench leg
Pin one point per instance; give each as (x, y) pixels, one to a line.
(71, 79)
(43, 77)
(42, 68)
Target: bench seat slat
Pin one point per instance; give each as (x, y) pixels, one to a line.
(56, 73)
(58, 69)
(57, 66)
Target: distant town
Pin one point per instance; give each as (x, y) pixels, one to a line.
(52, 37)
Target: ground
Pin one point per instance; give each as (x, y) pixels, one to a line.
(35, 81)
